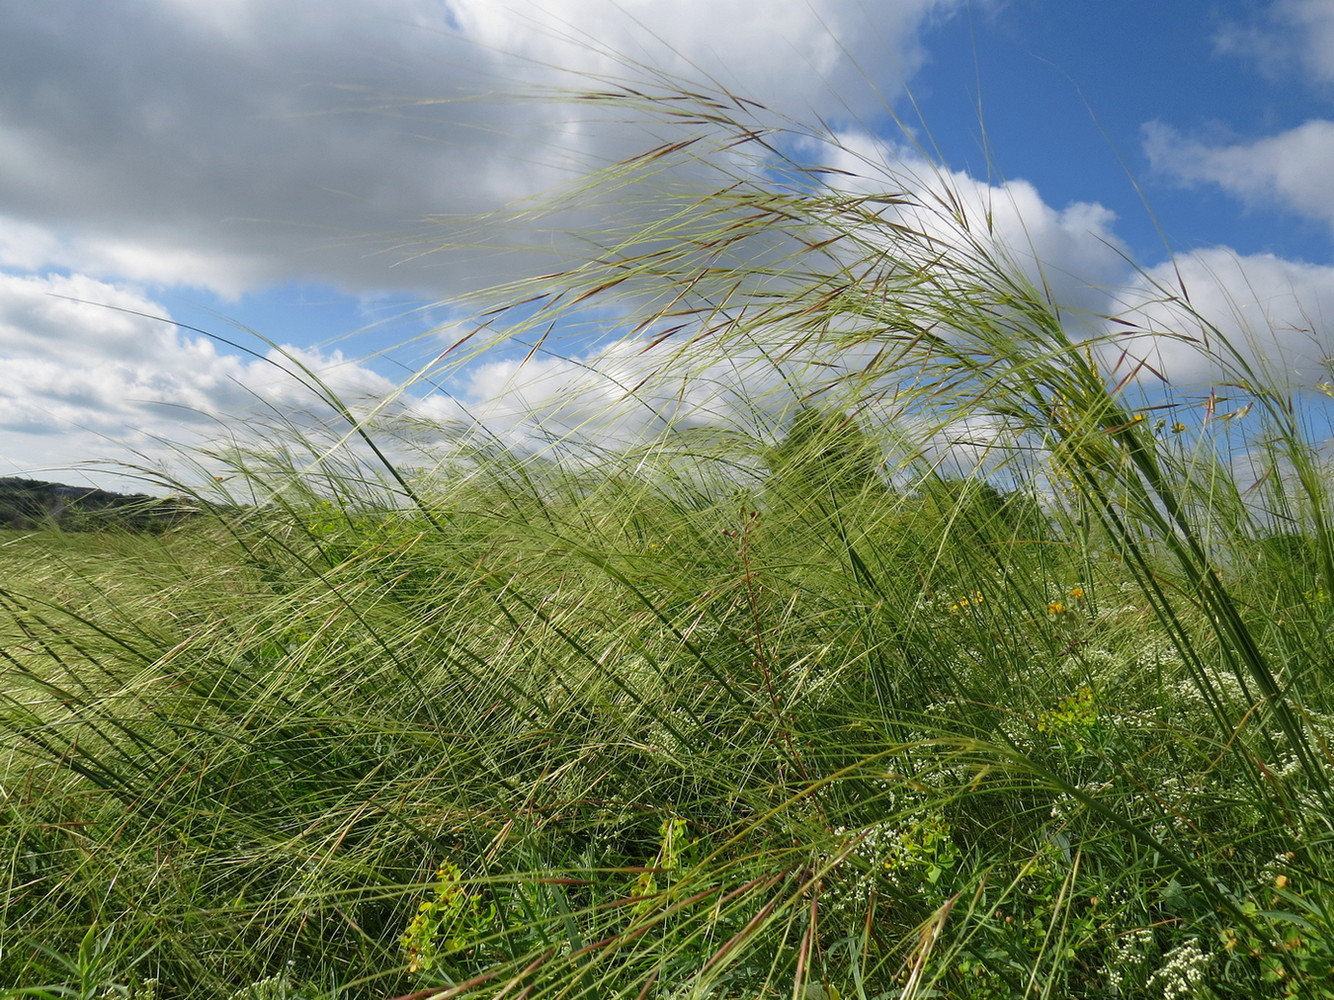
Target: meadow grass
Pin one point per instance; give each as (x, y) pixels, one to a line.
(786, 706)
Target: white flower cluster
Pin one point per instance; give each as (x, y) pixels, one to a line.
(874, 845)
(1157, 652)
(1181, 976)
(1096, 662)
(1287, 765)
(1175, 794)
(880, 853)
(1130, 959)
(1225, 687)
(147, 990)
(275, 987)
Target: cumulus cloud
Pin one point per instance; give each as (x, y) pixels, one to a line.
(624, 395)
(1071, 253)
(235, 144)
(1287, 168)
(244, 143)
(94, 370)
(1274, 313)
(1291, 168)
(799, 59)
(1303, 29)
(1261, 313)
(1274, 316)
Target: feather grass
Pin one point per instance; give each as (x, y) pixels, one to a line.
(937, 666)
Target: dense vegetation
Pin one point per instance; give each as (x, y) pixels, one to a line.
(35, 503)
(797, 705)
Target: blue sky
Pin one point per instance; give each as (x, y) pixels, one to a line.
(270, 165)
(1066, 91)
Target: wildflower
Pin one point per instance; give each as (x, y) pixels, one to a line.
(450, 921)
(974, 598)
(1178, 427)
(1055, 608)
(1183, 971)
(1077, 593)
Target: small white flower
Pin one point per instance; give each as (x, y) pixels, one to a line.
(1182, 974)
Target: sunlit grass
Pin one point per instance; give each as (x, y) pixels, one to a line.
(934, 660)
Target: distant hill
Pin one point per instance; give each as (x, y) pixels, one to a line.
(32, 503)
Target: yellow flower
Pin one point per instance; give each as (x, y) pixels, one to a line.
(1055, 608)
(974, 597)
(1077, 593)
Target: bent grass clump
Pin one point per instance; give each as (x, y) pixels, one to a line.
(919, 665)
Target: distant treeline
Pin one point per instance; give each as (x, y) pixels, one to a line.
(31, 503)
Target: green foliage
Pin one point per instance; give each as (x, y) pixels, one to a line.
(26, 504)
(1288, 934)
(452, 920)
(825, 453)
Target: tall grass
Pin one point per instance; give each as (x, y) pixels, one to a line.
(935, 660)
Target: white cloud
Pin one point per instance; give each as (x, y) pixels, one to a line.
(96, 371)
(1291, 168)
(796, 58)
(1291, 32)
(1071, 253)
(1288, 168)
(31, 247)
(624, 395)
(1276, 315)
(235, 143)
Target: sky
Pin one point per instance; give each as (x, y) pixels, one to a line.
(195, 194)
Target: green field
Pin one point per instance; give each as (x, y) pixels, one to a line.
(794, 708)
